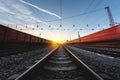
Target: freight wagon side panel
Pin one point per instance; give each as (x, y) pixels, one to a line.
(118, 31)
(27, 38)
(32, 39)
(2, 32)
(108, 35)
(20, 37)
(40, 40)
(37, 39)
(11, 35)
(105, 35)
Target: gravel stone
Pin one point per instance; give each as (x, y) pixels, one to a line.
(105, 64)
(17, 64)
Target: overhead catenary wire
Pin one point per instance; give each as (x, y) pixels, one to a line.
(66, 18)
(95, 7)
(87, 9)
(77, 15)
(70, 17)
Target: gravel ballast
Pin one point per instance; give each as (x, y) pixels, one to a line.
(13, 65)
(106, 65)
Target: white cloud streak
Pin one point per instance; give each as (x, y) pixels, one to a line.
(20, 14)
(22, 9)
(2, 21)
(40, 9)
(6, 10)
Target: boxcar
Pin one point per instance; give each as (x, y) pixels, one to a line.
(2, 32)
(27, 38)
(20, 37)
(32, 39)
(109, 34)
(11, 35)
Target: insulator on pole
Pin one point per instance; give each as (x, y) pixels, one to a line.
(16, 25)
(73, 25)
(87, 25)
(98, 25)
(37, 26)
(49, 26)
(60, 25)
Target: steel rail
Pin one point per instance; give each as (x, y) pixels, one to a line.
(84, 66)
(34, 68)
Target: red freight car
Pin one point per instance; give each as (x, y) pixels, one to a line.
(27, 38)
(40, 40)
(32, 38)
(2, 32)
(47, 41)
(20, 37)
(37, 39)
(109, 34)
(75, 41)
(107, 37)
(11, 35)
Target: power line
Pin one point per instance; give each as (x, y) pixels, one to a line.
(87, 9)
(85, 13)
(89, 5)
(65, 18)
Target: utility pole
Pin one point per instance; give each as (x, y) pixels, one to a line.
(111, 20)
(78, 34)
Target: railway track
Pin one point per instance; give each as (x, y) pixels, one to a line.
(105, 51)
(59, 64)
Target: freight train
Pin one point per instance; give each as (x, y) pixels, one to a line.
(8, 35)
(105, 38)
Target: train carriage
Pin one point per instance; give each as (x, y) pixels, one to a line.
(27, 38)
(20, 37)
(106, 37)
(10, 35)
(2, 33)
(14, 36)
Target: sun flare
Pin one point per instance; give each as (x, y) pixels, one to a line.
(57, 37)
(58, 42)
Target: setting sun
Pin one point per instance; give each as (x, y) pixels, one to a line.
(58, 42)
(57, 37)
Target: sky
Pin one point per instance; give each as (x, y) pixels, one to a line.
(58, 20)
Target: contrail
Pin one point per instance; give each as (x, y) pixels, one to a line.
(40, 9)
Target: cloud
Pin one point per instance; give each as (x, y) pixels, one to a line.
(29, 19)
(4, 9)
(40, 9)
(2, 21)
(22, 9)
(38, 20)
(19, 13)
